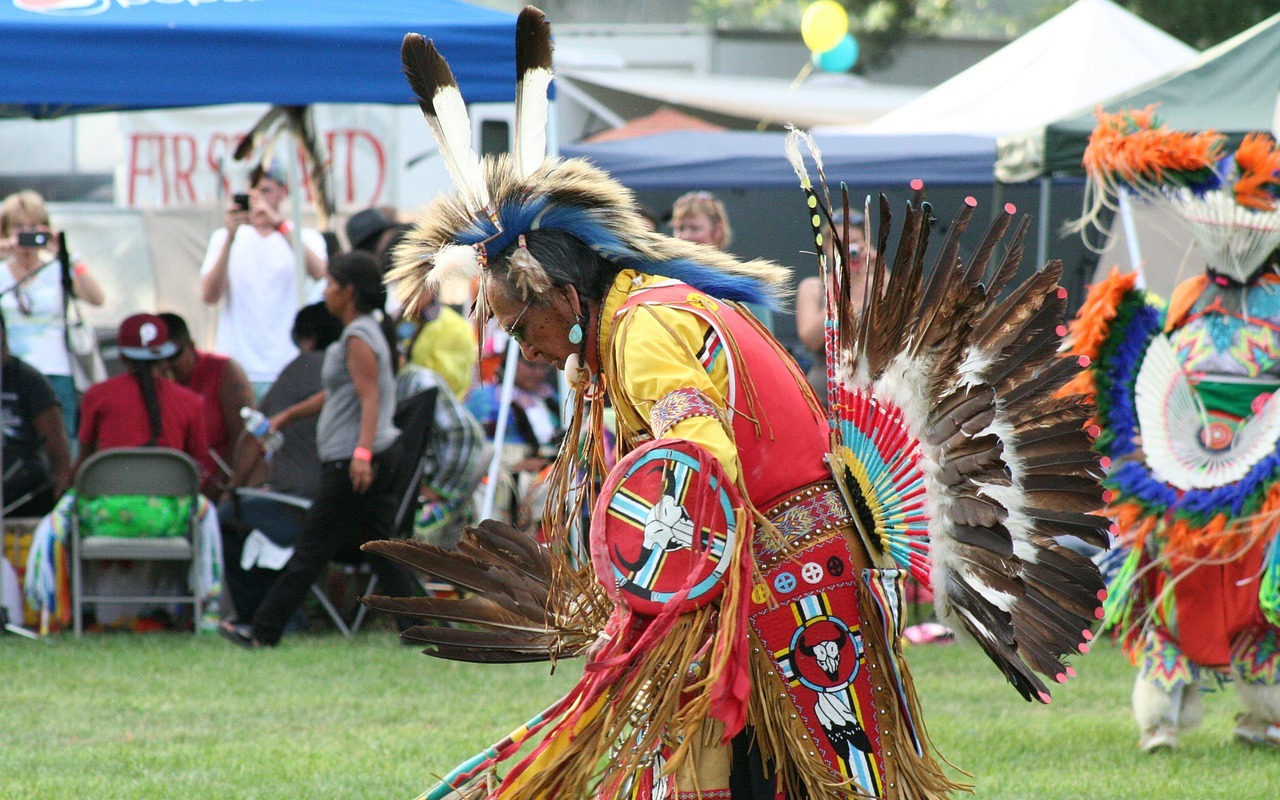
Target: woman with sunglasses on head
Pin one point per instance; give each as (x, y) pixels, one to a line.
(32, 296)
(356, 442)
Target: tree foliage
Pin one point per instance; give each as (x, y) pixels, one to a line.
(1202, 23)
(880, 24)
(877, 24)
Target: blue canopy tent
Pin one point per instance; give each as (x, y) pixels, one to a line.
(747, 160)
(62, 57)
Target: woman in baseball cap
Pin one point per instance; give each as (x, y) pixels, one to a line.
(170, 415)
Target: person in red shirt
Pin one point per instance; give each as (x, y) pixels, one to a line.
(225, 389)
(168, 415)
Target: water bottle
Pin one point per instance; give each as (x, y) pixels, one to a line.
(257, 424)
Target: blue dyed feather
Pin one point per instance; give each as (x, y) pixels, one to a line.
(588, 227)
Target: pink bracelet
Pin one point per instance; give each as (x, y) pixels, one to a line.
(79, 269)
(284, 227)
(362, 454)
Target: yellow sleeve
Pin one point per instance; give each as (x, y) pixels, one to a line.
(655, 353)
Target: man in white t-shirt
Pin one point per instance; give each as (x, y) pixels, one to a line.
(250, 266)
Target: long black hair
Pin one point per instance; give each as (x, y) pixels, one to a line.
(144, 373)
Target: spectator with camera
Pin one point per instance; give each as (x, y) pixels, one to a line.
(34, 294)
(250, 267)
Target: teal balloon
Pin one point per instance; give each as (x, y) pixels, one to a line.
(840, 58)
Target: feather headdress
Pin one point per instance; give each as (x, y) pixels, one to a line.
(1229, 201)
(498, 199)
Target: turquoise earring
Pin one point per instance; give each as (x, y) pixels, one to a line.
(575, 334)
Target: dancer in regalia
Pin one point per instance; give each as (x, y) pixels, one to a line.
(1190, 424)
(738, 595)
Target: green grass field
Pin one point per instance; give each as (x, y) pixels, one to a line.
(159, 717)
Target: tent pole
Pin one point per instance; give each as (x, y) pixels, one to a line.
(1042, 228)
(295, 209)
(500, 432)
(1131, 239)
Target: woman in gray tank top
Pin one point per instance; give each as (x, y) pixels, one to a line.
(356, 442)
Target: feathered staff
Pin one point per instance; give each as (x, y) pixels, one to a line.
(260, 143)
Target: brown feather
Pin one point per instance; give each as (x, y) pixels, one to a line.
(475, 610)
(488, 647)
(969, 409)
(533, 41)
(1022, 302)
(977, 267)
(995, 539)
(426, 70)
(1011, 261)
(469, 573)
(973, 509)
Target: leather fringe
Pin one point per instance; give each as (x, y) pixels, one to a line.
(909, 774)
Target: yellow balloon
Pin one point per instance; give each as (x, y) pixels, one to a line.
(823, 25)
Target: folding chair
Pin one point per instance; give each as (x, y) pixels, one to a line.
(140, 472)
(415, 417)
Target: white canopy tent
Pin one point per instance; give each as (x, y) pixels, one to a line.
(1088, 53)
(1082, 56)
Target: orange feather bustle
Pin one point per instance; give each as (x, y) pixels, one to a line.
(1259, 165)
(1132, 146)
(1092, 325)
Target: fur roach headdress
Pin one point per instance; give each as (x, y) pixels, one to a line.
(1228, 200)
(498, 200)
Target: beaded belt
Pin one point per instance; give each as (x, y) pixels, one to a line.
(815, 510)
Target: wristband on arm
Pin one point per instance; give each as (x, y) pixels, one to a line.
(362, 454)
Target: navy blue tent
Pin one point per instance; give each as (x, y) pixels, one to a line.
(65, 56)
(747, 160)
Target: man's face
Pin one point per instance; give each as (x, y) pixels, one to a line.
(183, 363)
(272, 193)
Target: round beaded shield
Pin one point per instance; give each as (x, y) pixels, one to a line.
(665, 527)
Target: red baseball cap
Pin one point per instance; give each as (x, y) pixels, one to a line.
(145, 337)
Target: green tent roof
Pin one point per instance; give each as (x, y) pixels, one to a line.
(1231, 88)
